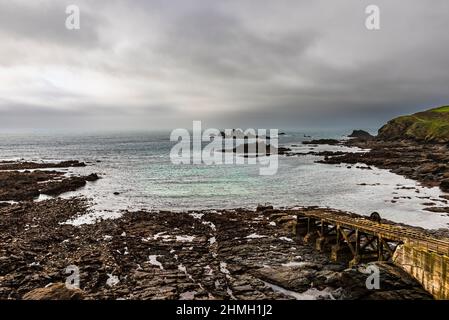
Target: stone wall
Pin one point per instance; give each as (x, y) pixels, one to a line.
(428, 267)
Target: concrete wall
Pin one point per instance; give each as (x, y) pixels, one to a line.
(429, 268)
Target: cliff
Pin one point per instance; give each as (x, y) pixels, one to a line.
(426, 126)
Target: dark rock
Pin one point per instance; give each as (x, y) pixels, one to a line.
(361, 134)
(323, 141)
(92, 177)
(444, 185)
(437, 209)
(66, 185)
(283, 150)
(263, 208)
(33, 165)
(375, 216)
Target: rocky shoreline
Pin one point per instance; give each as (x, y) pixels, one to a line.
(21, 181)
(165, 255)
(222, 254)
(426, 163)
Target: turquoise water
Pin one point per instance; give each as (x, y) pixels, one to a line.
(137, 165)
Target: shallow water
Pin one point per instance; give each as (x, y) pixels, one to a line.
(137, 165)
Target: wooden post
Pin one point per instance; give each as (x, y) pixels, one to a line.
(321, 240)
(380, 250)
(322, 228)
(336, 247)
(302, 227)
(312, 232)
(357, 242)
(356, 259)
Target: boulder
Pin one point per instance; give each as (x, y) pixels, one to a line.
(92, 177)
(361, 134)
(57, 291)
(444, 185)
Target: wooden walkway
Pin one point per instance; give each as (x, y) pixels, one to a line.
(335, 228)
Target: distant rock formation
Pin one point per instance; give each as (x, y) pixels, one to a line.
(361, 134)
(323, 141)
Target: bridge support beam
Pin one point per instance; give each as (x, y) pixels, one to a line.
(356, 260)
(337, 246)
(380, 249)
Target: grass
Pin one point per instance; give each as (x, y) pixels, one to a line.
(442, 109)
(430, 125)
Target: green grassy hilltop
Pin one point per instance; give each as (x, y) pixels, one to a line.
(429, 126)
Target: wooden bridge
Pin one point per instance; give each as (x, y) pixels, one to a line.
(357, 239)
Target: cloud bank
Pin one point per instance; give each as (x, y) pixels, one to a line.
(163, 63)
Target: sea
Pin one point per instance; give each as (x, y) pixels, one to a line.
(137, 173)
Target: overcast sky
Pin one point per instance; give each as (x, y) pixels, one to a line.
(270, 64)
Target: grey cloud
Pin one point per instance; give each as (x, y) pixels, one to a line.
(235, 63)
(43, 22)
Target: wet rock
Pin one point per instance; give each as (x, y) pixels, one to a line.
(444, 185)
(65, 185)
(323, 141)
(437, 209)
(361, 134)
(27, 185)
(264, 207)
(92, 177)
(57, 291)
(283, 150)
(11, 165)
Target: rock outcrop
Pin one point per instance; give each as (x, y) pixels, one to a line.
(26, 185)
(323, 141)
(427, 126)
(361, 134)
